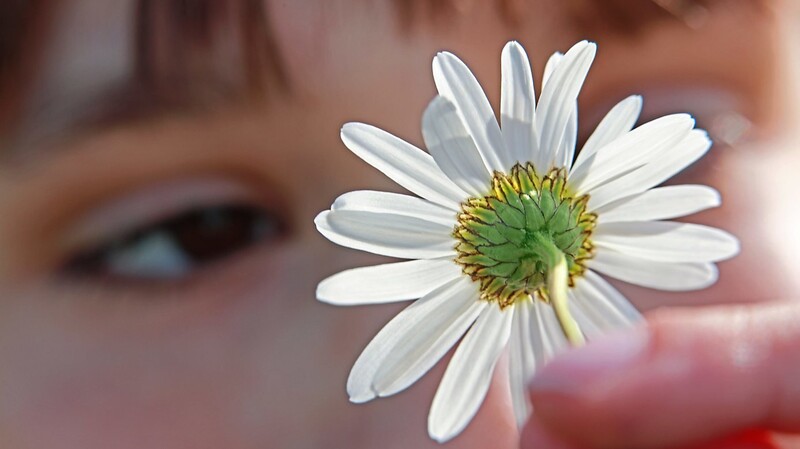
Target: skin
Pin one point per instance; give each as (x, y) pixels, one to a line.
(721, 360)
(239, 354)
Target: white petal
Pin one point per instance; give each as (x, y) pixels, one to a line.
(455, 82)
(660, 204)
(692, 148)
(386, 234)
(429, 341)
(517, 104)
(635, 149)
(388, 282)
(619, 120)
(667, 241)
(566, 151)
(543, 156)
(453, 148)
(469, 374)
(653, 274)
(550, 66)
(547, 338)
(522, 359)
(441, 309)
(402, 162)
(590, 328)
(395, 203)
(551, 328)
(559, 96)
(602, 307)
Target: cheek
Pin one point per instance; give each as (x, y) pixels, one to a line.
(63, 390)
(768, 180)
(247, 359)
(756, 182)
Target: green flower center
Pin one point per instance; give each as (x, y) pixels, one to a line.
(507, 238)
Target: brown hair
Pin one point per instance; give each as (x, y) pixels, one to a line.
(176, 41)
(21, 26)
(177, 46)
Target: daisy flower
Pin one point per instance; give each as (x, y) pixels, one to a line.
(507, 235)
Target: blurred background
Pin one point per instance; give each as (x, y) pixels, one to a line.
(161, 162)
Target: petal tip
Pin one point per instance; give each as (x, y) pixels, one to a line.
(357, 391)
(700, 132)
(716, 197)
(443, 55)
(350, 126)
(321, 292)
(439, 435)
(584, 46)
(513, 45)
(735, 246)
(353, 130)
(321, 218)
(712, 278)
(703, 136)
(361, 399)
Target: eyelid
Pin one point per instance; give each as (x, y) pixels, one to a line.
(701, 99)
(716, 109)
(151, 204)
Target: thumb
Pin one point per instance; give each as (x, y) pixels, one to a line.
(688, 376)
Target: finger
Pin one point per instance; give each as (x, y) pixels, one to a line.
(749, 439)
(786, 441)
(687, 377)
(535, 436)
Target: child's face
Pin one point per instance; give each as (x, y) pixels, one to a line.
(228, 347)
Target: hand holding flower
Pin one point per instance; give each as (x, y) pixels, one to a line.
(686, 378)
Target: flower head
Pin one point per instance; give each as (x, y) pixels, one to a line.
(507, 234)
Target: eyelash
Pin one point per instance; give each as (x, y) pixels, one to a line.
(175, 247)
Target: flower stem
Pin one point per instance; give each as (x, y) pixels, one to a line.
(557, 279)
(557, 283)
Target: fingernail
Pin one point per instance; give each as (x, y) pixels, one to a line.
(579, 368)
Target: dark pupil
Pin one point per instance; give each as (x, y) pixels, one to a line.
(211, 233)
(204, 235)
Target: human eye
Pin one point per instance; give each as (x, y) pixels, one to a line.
(172, 231)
